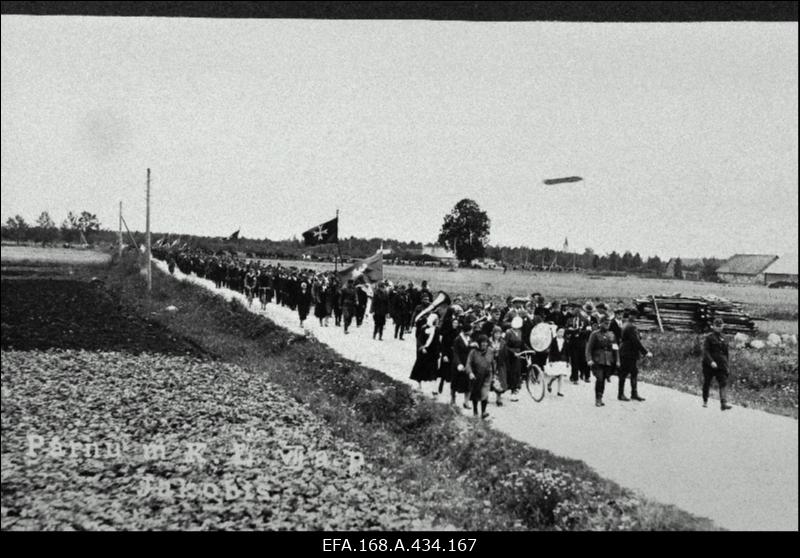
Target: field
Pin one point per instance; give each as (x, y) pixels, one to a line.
(214, 373)
(88, 383)
(759, 301)
(70, 256)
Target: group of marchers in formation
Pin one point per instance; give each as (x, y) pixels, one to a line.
(475, 347)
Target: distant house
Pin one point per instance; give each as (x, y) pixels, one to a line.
(440, 253)
(691, 268)
(484, 263)
(784, 269)
(746, 268)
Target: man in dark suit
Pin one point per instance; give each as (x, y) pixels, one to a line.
(715, 363)
(630, 350)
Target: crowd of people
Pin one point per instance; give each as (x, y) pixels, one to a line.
(475, 346)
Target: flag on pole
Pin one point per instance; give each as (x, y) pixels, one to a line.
(234, 236)
(370, 268)
(326, 233)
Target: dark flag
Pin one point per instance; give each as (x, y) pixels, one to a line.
(326, 233)
(371, 269)
(234, 236)
(566, 179)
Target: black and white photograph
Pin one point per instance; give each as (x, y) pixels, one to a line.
(405, 272)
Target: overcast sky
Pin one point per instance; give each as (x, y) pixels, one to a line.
(685, 133)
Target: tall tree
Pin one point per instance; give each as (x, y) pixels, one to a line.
(465, 230)
(678, 271)
(637, 261)
(88, 223)
(69, 227)
(654, 264)
(47, 228)
(627, 260)
(614, 261)
(18, 227)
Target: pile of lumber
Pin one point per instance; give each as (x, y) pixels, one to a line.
(692, 314)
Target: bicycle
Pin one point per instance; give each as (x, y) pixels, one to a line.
(533, 377)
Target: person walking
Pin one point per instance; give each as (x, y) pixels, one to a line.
(424, 369)
(630, 349)
(577, 334)
(557, 361)
(461, 348)
(480, 370)
(448, 336)
(347, 301)
(362, 299)
(514, 346)
(498, 345)
(715, 363)
(380, 307)
(602, 355)
(318, 296)
(303, 301)
(398, 308)
(336, 296)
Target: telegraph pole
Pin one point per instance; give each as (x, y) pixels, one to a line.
(120, 231)
(147, 232)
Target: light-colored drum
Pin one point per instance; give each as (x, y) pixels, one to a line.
(541, 337)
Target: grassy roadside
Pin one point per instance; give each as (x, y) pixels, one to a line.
(464, 473)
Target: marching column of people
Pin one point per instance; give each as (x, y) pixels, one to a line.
(477, 348)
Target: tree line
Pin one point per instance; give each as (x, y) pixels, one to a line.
(76, 227)
(465, 230)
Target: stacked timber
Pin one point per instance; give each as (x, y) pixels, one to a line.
(692, 314)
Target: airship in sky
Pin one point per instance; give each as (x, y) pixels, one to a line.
(564, 180)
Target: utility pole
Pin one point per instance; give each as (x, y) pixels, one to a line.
(120, 231)
(147, 232)
(338, 255)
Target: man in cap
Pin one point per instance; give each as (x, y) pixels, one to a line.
(631, 348)
(602, 355)
(715, 363)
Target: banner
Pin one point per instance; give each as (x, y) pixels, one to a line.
(326, 233)
(371, 269)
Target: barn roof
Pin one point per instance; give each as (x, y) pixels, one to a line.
(785, 265)
(747, 264)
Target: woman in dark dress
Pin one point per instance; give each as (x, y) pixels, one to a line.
(480, 368)
(318, 294)
(427, 352)
(303, 301)
(448, 336)
(461, 348)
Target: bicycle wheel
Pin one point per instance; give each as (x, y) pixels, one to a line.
(534, 383)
